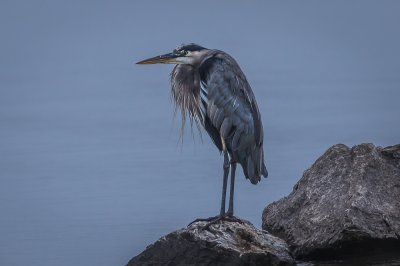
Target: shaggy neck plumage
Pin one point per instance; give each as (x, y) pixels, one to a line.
(185, 84)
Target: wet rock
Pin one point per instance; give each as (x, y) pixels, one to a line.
(347, 203)
(226, 243)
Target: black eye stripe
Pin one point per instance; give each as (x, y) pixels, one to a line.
(181, 52)
(184, 49)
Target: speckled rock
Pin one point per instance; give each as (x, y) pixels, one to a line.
(347, 203)
(227, 243)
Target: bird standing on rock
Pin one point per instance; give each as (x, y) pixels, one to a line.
(210, 89)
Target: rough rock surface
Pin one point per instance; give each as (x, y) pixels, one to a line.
(347, 203)
(227, 243)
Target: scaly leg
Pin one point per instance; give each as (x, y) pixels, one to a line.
(225, 183)
(232, 189)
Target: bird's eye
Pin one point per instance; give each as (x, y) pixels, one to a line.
(180, 51)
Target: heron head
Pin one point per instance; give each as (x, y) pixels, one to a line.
(184, 54)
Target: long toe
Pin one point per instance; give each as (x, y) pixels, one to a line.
(217, 219)
(209, 219)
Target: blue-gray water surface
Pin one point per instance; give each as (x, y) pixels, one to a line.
(91, 165)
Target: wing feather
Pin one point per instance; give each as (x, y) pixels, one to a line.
(232, 110)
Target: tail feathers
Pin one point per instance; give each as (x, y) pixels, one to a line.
(264, 171)
(254, 168)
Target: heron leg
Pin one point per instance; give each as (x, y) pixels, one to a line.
(232, 189)
(225, 183)
(228, 216)
(215, 219)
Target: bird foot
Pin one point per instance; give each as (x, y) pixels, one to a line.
(216, 219)
(209, 219)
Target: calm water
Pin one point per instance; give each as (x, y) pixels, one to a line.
(91, 165)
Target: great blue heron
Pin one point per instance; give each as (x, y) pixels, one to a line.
(210, 88)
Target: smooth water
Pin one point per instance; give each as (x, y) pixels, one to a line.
(91, 166)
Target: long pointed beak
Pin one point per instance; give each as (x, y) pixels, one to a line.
(160, 59)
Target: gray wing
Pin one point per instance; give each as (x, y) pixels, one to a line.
(228, 103)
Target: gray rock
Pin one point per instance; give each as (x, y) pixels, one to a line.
(227, 243)
(347, 203)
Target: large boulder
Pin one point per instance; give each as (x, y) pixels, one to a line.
(226, 243)
(347, 203)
